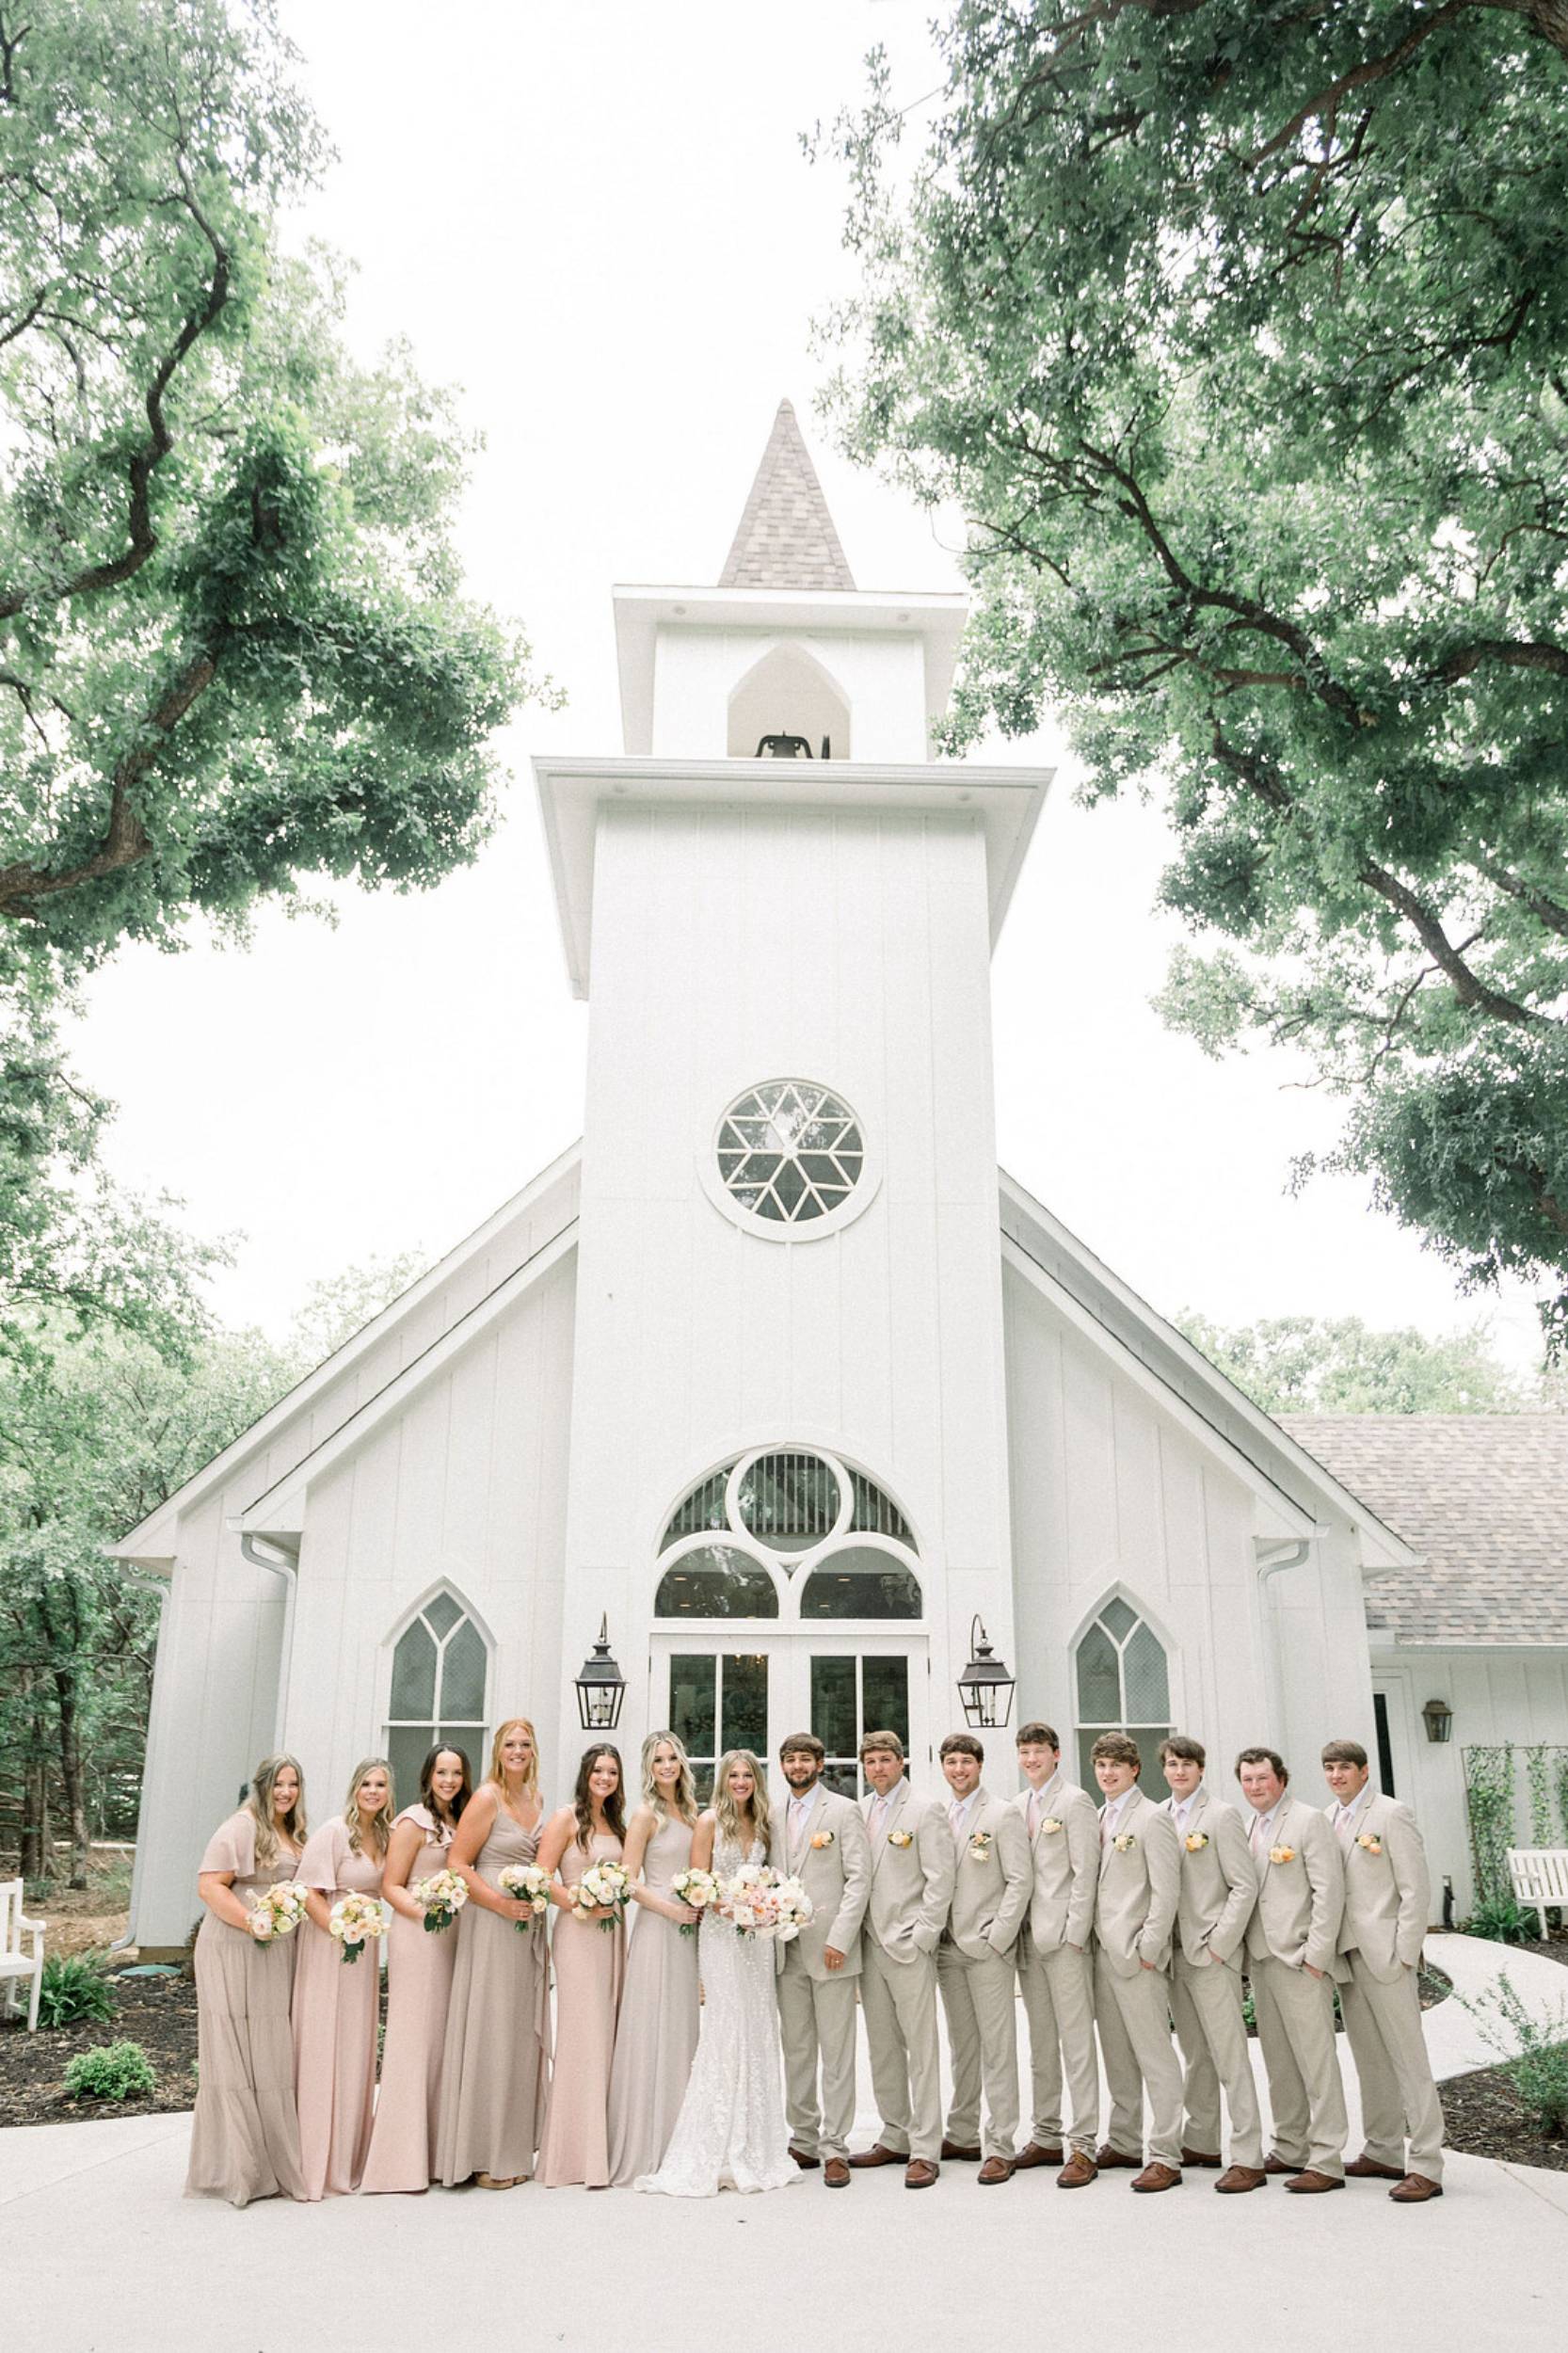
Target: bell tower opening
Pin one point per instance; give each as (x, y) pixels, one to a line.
(788, 693)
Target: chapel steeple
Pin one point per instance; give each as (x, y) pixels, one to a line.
(786, 538)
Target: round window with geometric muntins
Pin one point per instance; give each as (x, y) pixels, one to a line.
(790, 1151)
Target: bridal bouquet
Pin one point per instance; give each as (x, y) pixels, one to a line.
(757, 1900)
(276, 1910)
(440, 1898)
(355, 1920)
(602, 1885)
(700, 1889)
(526, 1884)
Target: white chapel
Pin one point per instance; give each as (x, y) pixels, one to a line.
(775, 1376)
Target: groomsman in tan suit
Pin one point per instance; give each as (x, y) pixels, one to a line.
(1292, 1941)
(1056, 1971)
(1387, 1901)
(912, 1871)
(975, 1974)
(821, 1841)
(1135, 1906)
(1218, 1888)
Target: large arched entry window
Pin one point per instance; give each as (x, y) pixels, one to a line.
(1122, 1683)
(820, 1563)
(440, 1690)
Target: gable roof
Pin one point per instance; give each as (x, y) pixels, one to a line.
(786, 538)
(1484, 1498)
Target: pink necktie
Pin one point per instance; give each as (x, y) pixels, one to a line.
(1258, 1833)
(1033, 1812)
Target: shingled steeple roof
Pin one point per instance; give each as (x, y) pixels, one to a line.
(786, 537)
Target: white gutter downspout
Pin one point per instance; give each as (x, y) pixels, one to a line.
(1272, 1555)
(135, 1575)
(285, 1564)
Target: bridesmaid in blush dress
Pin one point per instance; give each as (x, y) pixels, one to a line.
(589, 1961)
(419, 1982)
(337, 2003)
(245, 2137)
(498, 2021)
(656, 2035)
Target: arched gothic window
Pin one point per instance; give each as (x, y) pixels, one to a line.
(1122, 1683)
(440, 1671)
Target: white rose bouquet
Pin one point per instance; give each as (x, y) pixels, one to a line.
(526, 1884)
(276, 1910)
(757, 1900)
(440, 1898)
(701, 1889)
(602, 1886)
(355, 1921)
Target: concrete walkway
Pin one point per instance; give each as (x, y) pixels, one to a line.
(98, 2254)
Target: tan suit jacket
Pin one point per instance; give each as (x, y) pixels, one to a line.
(1138, 1890)
(837, 1876)
(1300, 1903)
(1387, 1895)
(992, 1880)
(1066, 1868)
(912, 1873)
(1218, 1883)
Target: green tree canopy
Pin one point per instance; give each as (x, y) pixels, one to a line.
(1238, 328)
(1338, 1364)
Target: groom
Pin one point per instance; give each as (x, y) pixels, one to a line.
(822, 1842)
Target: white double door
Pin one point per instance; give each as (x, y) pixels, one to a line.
(742, 1689)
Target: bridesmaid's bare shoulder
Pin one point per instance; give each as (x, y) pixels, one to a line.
(709, 1816)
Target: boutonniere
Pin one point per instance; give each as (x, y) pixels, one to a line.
(824, 1837)
(1124, 1842)
(1370, 1841)
(1049, 1825)
(901, 1839)
(980, 1844)
(1282, 1854)
(1196, 1841)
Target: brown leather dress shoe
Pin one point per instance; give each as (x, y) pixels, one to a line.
(1311, 2184)
(995, 2169)
(807, 2164)
(921, 2174)
(879, 2153)
(1108, 2156)
(1077, 2172)
(1277, 2164)
(1156, 2176)
(1414, 2190)
(951, 2150)
(1366, 2168)
(1199, 2156)
(835, 2174)
(1238, 2178)
(1035, 2152)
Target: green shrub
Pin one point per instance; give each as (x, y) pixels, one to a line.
(73, 1990)
(1501, 1919)
(114, 2071)
(1535, 2052)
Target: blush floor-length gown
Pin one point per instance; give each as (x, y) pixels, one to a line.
(730, 2132)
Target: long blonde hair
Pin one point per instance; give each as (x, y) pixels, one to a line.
(497, 1771)
(386, 1813)
(726, 1812)
(685, 1788)
(258, 1805)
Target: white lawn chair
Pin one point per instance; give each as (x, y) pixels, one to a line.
(14, 1962)
(1539, 1876)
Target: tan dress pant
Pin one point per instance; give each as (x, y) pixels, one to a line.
(1133, 2015)
(980, 1997)
(899, 2000)
(1295, 2025)
(1058, 1989)
(1399, 2098)
(816, 2024)
(1206, 2003)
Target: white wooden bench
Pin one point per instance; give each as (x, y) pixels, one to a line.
(1539, 1876)
(14, 1963)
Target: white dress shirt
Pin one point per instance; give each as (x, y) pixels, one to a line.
(1181, 1809)
(1261, 1836)
(958, 1814)
(1111, 1814)
(878, 1813)
(1345, 1816)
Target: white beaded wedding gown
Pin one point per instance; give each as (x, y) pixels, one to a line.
(730, 2132)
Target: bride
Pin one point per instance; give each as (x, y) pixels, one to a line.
(730, 2132)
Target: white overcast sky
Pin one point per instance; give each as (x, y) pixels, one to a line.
(597, 221)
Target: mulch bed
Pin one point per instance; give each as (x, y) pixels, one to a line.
(1485, 2117)
(157, 2012)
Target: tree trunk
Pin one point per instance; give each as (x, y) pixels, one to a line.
(70, 1776)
